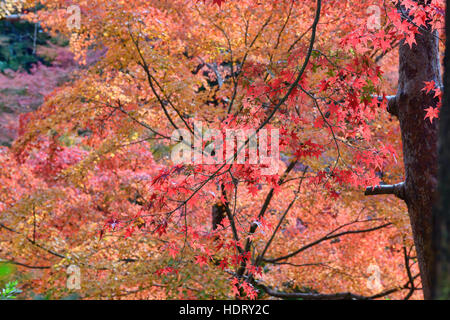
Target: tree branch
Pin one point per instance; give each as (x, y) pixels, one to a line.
(261, 256)
(326, 238)
(13, 17)
(264, 207)
(33, 242)
(396, 189)
(323, 296)
(392, 105)
(25, 265)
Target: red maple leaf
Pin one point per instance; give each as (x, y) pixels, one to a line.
(253, 190)
(201, 260)
(410, 39)
(218, 2)
(432, 113)
(429, 85)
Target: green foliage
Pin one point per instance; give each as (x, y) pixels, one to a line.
(17, 45)
(160, 151)
(10, 291)
(6, 269)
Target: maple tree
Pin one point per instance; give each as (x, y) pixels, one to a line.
(440, 276)
(89, 181)
(419, 65)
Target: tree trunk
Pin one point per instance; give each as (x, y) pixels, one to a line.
(419, 136)
(441, 277)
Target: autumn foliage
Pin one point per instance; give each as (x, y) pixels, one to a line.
(90, 182)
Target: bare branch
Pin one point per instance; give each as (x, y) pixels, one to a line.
(254, 225)
(13, 17)
(392, 104)
(396, 189)
(215, 69)
(261, 256)
(312, 296)
(326, 238)
(323, 296)
(33, 242)
(25, 265)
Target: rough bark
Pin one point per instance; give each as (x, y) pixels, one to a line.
(417, 64)
(441, 279)
(217, 214)
(419, 137)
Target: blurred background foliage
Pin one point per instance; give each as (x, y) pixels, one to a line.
(18, 45)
